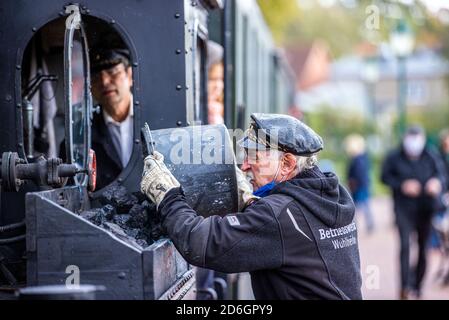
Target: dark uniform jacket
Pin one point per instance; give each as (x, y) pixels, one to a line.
(300, 242)
(397, 168)
(109, 165)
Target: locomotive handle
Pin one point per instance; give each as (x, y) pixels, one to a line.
(147, 140)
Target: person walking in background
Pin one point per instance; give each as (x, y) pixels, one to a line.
(358, 177)
(415, 174)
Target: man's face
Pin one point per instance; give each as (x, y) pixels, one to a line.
(112, 86)
(215, 85)
(261, 167)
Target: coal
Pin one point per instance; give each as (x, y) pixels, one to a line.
(99, 216)
(130, 217)
(138, 217)
(133, 233)
(119, 197)
(121, 219)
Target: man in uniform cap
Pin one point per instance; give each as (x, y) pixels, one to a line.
(112, 128)
(297, 238)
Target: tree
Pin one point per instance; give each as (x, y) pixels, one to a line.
(342, 28)
(279, 15)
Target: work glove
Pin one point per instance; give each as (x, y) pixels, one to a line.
(246, 196)
(157, 180)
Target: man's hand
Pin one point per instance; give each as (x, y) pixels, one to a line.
(245, 188)
(411, 188)
(157, 180)
(433, 187)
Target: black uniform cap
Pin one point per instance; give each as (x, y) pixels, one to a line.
(283, 133)
(102, 59)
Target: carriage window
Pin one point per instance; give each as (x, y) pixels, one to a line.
(215, 83)
(196, 73)
(200, 83)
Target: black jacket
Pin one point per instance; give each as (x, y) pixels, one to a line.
(300, 242)
(397, 168)
(109, 165)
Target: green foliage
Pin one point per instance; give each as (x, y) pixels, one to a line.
(334, 126)
(338, 27)
(279, 15)
(432, 119)
(343, 28)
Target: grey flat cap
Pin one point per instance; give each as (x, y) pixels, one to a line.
(283, 133)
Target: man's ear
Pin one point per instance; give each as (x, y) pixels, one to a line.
(288, 164)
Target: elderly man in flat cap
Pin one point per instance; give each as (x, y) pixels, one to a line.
(112, 128)
(297, 238)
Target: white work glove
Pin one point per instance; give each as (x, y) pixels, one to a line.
(157, 180)
(246, 196)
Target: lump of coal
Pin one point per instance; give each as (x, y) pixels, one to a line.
(120, 233)
(140, 196)
(133, 233)
(99, 216)
(138, 216)
(121, 219)
(118, 197)
(115, 229)
(157, 231)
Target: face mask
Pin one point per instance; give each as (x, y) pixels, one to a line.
(266, 189)
(414, 145)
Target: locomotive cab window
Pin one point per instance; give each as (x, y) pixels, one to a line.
(65, 73)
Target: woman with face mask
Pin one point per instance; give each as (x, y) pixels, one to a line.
(415, 175)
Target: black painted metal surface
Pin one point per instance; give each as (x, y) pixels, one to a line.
(202, 159)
